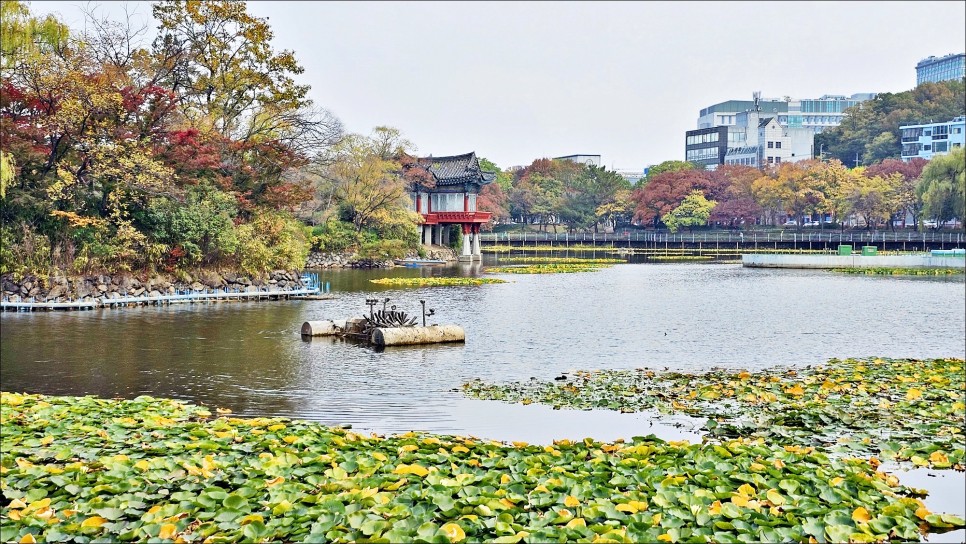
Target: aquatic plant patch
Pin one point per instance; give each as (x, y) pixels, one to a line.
(561, 260)
(902, 409)
(151, 469)
(903, 271)
(545, 268)
(435, 282)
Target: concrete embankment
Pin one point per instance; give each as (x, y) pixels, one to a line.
(852, 261)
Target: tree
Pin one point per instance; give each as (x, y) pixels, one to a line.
(694, 210)
(370, 189)
(943, 186)
(230, 83)
(22, 35)
(870, 129)
(666, 191)
(908, 201)
(666, 166)
(492, 199)
(735, 195)
(873, 198)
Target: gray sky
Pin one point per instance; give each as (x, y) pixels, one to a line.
(517, 81)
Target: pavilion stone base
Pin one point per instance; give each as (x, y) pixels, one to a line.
(468, 258)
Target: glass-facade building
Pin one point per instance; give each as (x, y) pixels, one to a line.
(936, 69)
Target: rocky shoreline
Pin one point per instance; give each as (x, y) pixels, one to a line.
(102, 288)
(318, 260)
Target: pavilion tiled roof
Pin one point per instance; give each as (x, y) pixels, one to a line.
(458, 169)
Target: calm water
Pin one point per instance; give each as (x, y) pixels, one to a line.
(250, 358)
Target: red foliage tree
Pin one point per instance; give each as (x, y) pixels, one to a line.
(666, 191)
(492, 199)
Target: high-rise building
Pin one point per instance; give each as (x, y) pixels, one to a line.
(933, 69)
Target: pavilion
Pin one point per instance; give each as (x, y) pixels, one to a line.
(452, 201)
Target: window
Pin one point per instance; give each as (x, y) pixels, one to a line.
(771, 160)
(447, 202)
(771, 145)
(927, 147)
(778, 145)
(940, 146)
(778, 160)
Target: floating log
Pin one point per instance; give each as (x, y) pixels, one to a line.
(320, 328)
(334, 327)
(401, 336)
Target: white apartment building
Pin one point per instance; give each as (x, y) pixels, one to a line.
(931, 139)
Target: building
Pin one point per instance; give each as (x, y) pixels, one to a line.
(816, 114)
(632, 176)
(581, 158)
(761, 141)
(930, 139)
(706, 146)
(754, 139)
(452, 201)
(933, 69)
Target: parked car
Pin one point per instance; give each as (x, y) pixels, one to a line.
(930, 223)
(811, 223)
(790, 223)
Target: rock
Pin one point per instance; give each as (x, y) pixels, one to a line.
(197, 286)
(213, 280)
(124, 283)
(83, 289)
(137, 292)
(154, 294)
(56, 291)
(101, 287)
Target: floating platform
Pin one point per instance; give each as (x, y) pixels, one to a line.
(830, 262)
(355, 327)
(419, 262)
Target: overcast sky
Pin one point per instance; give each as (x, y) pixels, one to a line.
(516, 81)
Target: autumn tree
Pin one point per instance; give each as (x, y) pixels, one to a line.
(909, 171)
(371, 190)
(666, 191)
(666, 166)
(943, 186)
(693, 211)
(870, 129)
(241, 94)
(735, 196)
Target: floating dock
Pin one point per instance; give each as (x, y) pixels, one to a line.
(936, 259)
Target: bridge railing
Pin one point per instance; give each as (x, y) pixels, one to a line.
(852, 237)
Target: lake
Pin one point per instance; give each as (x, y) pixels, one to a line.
(249, 356)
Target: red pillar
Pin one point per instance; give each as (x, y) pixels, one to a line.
(466, 202)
